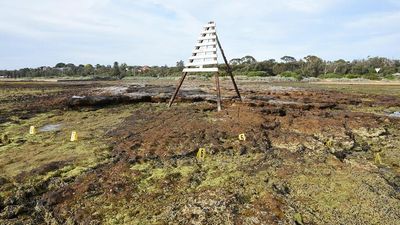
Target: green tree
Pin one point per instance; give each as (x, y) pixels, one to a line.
(288, 59)
(116, 71)
(180, 64)
(60, 65)
(289, 63)
(235, 61)
(314, 66)
(340, 66)
(88, 70)
(248, 59)
(123, 70)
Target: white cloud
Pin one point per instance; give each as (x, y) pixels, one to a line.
(376, 21)
(162, 32)
(310, 6)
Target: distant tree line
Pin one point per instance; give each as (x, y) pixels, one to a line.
(313, 66)
(288, 66)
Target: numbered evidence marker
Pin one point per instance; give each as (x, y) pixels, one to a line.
(32, 130)
(74, 136)
(201, 154)
(378, 159)
(242, 137)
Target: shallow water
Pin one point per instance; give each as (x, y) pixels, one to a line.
(51, 127)
(395, 114)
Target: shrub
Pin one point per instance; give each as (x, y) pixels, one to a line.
(291, 74)
(331, 76)
(353, 76)
(390, 77)
(371, 76)
(256, 74)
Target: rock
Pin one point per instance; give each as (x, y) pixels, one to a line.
(12, 211)
(325, 105)
(134, 159)
(3, 181)
(48, 167)
(275, 111)
(281, 189)
(365, 147)
(11, 200)
(270, 126)
(242, 150)
(370, 132)
(4, 139)
(208, 208)
(107, 100)
(55, 197)
(341, 155)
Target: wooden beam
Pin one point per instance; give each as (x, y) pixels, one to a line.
(177, 89)
(229, 69)
(218, 91)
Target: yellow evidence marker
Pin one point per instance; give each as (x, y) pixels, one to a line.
(378, 159)
(201, 154)
(242, 137)
(32, 130)
(74, 136)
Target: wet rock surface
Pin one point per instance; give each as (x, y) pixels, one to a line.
(308, 158)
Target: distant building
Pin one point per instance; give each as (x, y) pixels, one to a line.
(396, 74)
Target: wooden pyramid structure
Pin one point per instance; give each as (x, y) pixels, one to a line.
(205, 59)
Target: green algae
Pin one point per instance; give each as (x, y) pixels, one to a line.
(175, 190)
(26, 152)
(218, 172)
(337, 196)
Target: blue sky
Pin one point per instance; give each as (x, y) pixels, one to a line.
(159, 32)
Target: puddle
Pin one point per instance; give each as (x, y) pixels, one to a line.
(279, 102)
(51, 127)
(395, 114)
(78, 97)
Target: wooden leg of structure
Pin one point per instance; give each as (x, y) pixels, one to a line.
(234, 84)
(218, 91)
(229, 69)
(177, 89)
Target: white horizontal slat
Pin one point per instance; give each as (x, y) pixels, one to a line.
(194, 70)
(205, 50)
(207, 38)
(209, 32)
(204, 57)
(206, 44)
(209, 25)
(202, 63)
